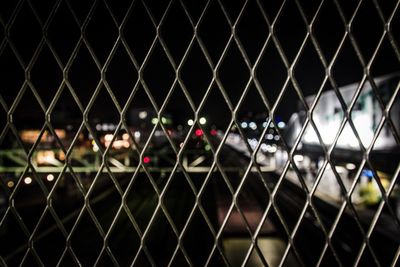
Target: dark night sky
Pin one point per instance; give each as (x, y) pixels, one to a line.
(196, 74)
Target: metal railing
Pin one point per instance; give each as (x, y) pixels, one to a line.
(85, 53)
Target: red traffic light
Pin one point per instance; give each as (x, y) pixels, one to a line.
(146, 160)
(198, 132)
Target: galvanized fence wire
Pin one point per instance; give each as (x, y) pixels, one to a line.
(233, 40)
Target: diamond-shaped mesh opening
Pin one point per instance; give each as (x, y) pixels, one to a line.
(142, 200)
(375, 28)
(139, 24)
(30, 188)
(196, 73)
(68, 198)
(347, 62)
(49, 256)
(384, 58)
(252, 117)
(310, 224)
(214, 31)
(85, 82)
(29, 113)
(352, 156)
(218, 191)
(253, 205)
(233, 87)
(290, 26)
(10, 227)
(329, 29)
(96, 116)
(176, 41)
(12, 76)
(121, 75)
(63, 32)
(329, 120)
(66, 111)
(101, 19)
(366, 128)
(159, 65)
(125, 232)
(180, 207)
(160, 233)
(217, 116)
(385, 257)
(104, 186)
(141, 116)
(178, 115)
(253, 40)
(211, 133)
(47, 81)
(86, 239)
(271, 73)
(294, 198)
(159, 151)
(309, 65)
(198, 234)
(283, 113)
(26, 27)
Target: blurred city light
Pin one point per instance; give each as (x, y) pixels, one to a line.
(142, 115)
(203, 121)
(10, 184)
(298, 158)
(146, 160)
(28, 180)
(198, 132)
(350, 166)
(50, 177)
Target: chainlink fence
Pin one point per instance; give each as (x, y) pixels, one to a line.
(199, 133)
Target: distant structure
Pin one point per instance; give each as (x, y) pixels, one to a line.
(366, 114)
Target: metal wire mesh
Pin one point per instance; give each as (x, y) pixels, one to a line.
(208, 58)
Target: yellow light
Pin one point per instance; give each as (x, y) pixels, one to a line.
(10, 184)
(125, 136)
(108, 137)
(126, 144)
